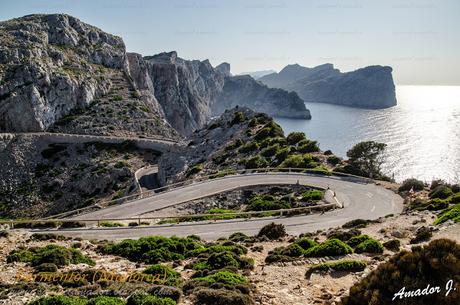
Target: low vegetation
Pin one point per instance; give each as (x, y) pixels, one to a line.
(436, 264)
(341, 265)
(50, 254)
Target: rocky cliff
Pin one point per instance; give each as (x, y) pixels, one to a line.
(370, 87)
(193, 91)
(60, 74)
(243, 90)
(57, 72)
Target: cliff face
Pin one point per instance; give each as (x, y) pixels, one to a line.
(192, 91)
(59, 73)
(245, 91)
(370, 87)
(185, 89)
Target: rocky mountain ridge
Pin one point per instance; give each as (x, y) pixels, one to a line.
(58, 73)
(369, 87)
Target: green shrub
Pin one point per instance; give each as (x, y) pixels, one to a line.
(356, 223)
(305, 243)
(299, 161)
(343, 235)
(227, 278)
(272, 231)
(206, 296)
(434, 265)
(59, 300)
(341, 265)
(194, 169)
(168, 276)
(121, 164)
(334, 160)
(166, 292)
(110, 224)
(312, 195)
(441, 192)
(282, 154)
(58, 255)
(140, 298)
(155, 249)
(310, 146)
(295, 137)
(255, 162)
(412, 183)
(455, 198)
(270, 151)
(452, 212)
(249, 147)
(331, 247)
(356, 240)
(72, 224)
(266, 203)
(369, 246)
(393, 245)
(238, 237)
(238, 118)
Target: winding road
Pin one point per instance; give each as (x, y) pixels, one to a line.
(359, 200)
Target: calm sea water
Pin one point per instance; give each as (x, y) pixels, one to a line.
(422, 132)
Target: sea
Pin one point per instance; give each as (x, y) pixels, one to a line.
(422, 132)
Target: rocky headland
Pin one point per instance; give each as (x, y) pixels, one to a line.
(369, 87)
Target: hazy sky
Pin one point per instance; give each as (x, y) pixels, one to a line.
(419, 39)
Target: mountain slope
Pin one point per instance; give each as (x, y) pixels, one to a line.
(369, 87)
(55, 65)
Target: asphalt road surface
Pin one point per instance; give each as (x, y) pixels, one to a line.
(360, 200)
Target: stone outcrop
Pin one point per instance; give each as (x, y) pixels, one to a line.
(243, 90)
(369, 87)
(193, 91)
(62, 75)
(58, 73)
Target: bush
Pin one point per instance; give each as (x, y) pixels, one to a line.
(146, 299)
(309, 146)
(282, 154)
(110, 224)
(249, 147)
(255, 162)
(369, 246)
(312, 195)
(58, 255)
(455, 198)
(46, 267)
(299, 161)
(72, 224)
(238, 237)
(305, 243)
(65, 300)
(435, 264)
(341, 265)
(343, 235)
(441, 192)
(356, 240)
(206, 296)
(412, 183)
(455, 188)
(393, 245)
(227, 278)
(272, 231)
(167, 275)
(266, 203)
(422, 234)
(356, 223)
(295, 137)
(238, 118)
(452, 212)
(270, 151)
(194, 169)
(334, 160)
(166, 292)
(331, 247)
(155, 249)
